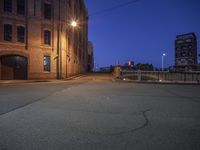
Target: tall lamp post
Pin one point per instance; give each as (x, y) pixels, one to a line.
(73, 24)
(163, 55)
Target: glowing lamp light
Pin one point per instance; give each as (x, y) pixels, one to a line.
(74, 24)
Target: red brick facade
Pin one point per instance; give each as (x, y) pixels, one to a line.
(68, 46)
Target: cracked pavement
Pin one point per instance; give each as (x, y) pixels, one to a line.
(95, 112)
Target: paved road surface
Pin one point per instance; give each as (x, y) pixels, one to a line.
(96, 113)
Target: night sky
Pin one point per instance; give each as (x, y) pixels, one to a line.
(141, 31)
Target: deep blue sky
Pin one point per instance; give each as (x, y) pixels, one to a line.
(141, 31)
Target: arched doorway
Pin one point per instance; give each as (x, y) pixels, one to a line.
(14, 67)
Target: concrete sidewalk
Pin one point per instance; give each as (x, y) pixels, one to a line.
(42, 80)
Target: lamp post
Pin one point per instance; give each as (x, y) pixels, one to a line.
(163, 55)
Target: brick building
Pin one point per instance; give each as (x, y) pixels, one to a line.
(186, 52)
(37, 40)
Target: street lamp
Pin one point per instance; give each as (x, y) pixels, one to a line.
(163, 55)
(74, 24)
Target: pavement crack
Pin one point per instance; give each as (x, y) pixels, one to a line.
(144, 125)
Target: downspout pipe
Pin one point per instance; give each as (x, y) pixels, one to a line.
(58, 45)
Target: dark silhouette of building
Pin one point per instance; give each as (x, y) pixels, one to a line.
(90, 56)
(186, 52)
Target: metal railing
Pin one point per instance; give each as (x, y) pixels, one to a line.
(160, 76)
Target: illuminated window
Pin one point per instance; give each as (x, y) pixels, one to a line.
(20, 34)
(21, 7)
(47, 62)
(7, 32)
(8, 5)
(47, 37)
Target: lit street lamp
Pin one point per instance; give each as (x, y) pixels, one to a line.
(74, 24)
(163, 55)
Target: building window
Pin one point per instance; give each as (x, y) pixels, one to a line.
(47, 62)
(180, 41)
(20, 34)
(190, 54)
(69, 2)
(47, 11)
(190, 46)
(7, 32)
(189, 40)
(34, 7)
(190, 61)
(47, 37)
(8, 5)
(21, 7)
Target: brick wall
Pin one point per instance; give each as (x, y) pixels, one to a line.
(35, 49)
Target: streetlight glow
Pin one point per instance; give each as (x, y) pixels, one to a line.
(74, 24)
(163, 55)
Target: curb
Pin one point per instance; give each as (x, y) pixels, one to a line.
(9, 82)
(157, 82)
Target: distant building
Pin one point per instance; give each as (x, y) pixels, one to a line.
(90, 56)
(186, 52)
(130, 64)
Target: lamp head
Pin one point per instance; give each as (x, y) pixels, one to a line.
(74, 24)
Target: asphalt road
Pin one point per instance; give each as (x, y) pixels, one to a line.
(97, 113)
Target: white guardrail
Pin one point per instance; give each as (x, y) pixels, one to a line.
(160, 75)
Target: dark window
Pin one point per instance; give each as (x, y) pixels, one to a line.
(7, 32)
(34, 7)
(47, 37)
(190, 54)
(20, 34)
(69, 3)
(47, 11)
(21, 7)
(8, 5)
(47, 62)
(190, 46)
